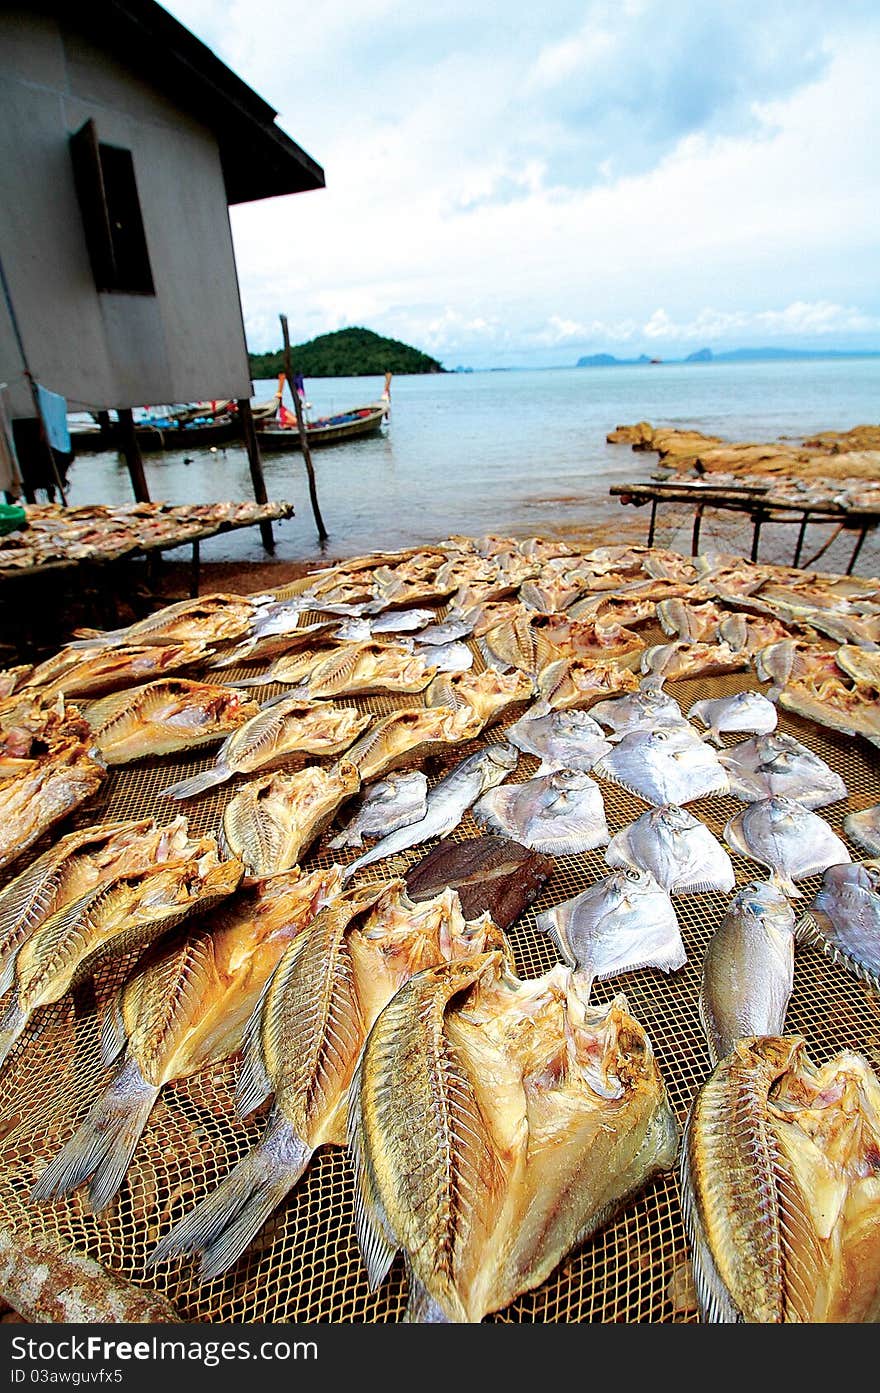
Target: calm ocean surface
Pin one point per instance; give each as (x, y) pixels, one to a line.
(518, 453)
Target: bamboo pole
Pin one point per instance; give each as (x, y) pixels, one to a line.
(252, 445)
(307, 456)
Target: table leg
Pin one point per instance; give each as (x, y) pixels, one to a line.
(695, 539)
(858, 546)
(651, 524)
(194, 570)
(802, 532)
(758, 518)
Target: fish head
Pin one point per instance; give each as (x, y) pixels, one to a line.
(865, 876)
(759, 899)
(670, 816)
(504, 757)
(569, 780)
(627, 883)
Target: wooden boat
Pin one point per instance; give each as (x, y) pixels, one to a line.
(326, 430)
(177, 431)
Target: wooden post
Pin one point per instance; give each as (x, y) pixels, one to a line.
(252, 445)
(132, 451)
(297, 406)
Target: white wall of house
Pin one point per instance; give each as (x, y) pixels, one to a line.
(100, 350)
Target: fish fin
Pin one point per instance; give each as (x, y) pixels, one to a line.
(421, 1308)
(223, 1224)
(785, 884)
(704, 887)
(260, 681)
(253, 1085)
(12, 1023)
(547, 924)
(808, 933)
(199, 783)
(713, 1298)
(105, 1142)
(113, 1033)
(712, 736)
(7, 976)
(377, 1244)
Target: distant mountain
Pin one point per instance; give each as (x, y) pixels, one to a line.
(769, 355)
(607, 360)
(345, 353)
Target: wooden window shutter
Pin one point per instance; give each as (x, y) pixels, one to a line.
(86, 155)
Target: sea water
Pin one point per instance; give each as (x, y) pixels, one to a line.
(511, 452)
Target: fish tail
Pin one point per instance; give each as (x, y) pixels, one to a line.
(102, 1148)
(222, 1226)
(199, 783)
(252, 681)
(421, 1308)
(712, 736)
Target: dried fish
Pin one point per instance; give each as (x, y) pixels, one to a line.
(844, 920)
(670, 661)
(183, 1007)
(494, 1125)
(394, 802)
(693, 623)
(853, 710)
(745, 710)
(777, 765)
(491, 875)
(43, 793)
(864, 829)
(95, 672)
(208, 619)
(787, 838)
(562, 739)
(271, 822)
(282, 729)
(581, 682)
(449, 657)
(166, 716)
(110, 920)
(79, 862)
(779, 1178)
(560, 813)
(862, 665)
(748, 970)
(667, 765)
(678, 850)
(303, 1041)
(407, 736)
(489, 694)
(362, 669)
(620, 924)
(646, 709)
(448, 801)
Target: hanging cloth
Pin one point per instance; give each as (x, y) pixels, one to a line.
(53, 410)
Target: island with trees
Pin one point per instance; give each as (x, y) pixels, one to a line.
(345, 353)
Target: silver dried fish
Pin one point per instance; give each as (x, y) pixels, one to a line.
(562, 739)
(560, 813)
(743, 711)
(678, 850)
(787, 838)
(622, 923)
(779, 766)
(668, 765)
(388, 805)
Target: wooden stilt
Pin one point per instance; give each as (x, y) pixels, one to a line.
(132, 451)
(695, 539)
(252, 445)
(652, 522)
(307, 455)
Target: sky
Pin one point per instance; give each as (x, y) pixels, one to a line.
(512, 184)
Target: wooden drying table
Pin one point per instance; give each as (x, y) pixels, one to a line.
(756, 501)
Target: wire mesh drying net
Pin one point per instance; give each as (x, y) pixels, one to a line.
(304, 1265)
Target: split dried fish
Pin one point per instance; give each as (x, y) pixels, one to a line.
(271, 822)
(678, 850)
(449, 657)
(620, 924)
(748, 970)
(184, 1007)
(667, 765)
(303, 1041)
(494, 1125)
(693, 623)
(362, 669)
(777, 765)
(560, 813)
(746, 710)
(77, 673)
(209, 619)
(43, 793)
(489, 694)
(405, 737)
(166, 716)
(448, 801)
(579, 682)
(787, 838)
(562, 739)
(110, 920)
(853, 710)
(282, 729)
(864, 829)
(394, 802)
(670, 661)
(862, 665)
(844, 920)
(78, 863)
(779, 1180)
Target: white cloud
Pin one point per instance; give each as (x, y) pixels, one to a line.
(472, 211)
